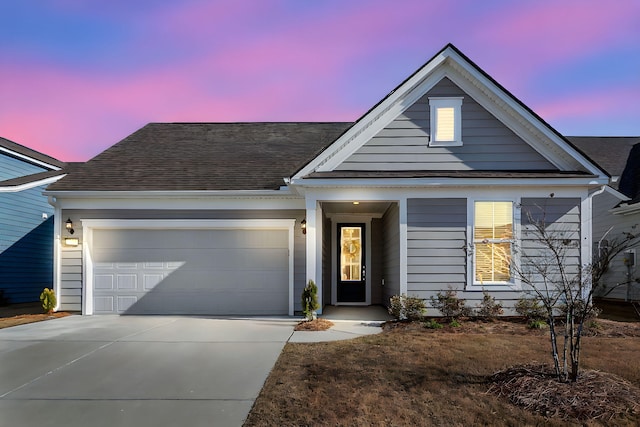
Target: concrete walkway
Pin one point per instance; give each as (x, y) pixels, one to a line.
(349, 322)
(136, 370)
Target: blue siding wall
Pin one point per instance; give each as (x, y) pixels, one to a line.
(15, 168)
(26, 245)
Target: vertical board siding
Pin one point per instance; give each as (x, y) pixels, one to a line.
(391, 253)
(618, 283)
(11, 167)
(26, 244)
(436, 240)
(71, 260)
(487, 143)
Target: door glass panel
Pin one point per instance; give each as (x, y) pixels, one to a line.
(351, 253)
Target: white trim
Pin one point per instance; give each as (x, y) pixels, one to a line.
(29, 159)
(57, 255)
(428, 183)
(178, 202)
(472, 81)
(350, 219)
(89, 225)
(403, 236)
(445, 102)
(513, 284)
(28, 185)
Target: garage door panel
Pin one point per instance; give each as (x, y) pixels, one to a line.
(248, 276)
(183, 239)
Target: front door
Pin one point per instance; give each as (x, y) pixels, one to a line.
(351, 264)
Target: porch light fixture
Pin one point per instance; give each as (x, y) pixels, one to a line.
(71, 241)
(356, 203)
(303, 226)
(69, 226)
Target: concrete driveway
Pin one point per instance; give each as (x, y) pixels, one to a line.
(136, 370)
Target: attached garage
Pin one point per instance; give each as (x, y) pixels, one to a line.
(212, 267)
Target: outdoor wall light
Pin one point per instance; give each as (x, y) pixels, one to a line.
(71, 241)
(303, 225)
(69, 226)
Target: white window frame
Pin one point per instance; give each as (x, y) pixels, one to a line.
(514, 283)
(446, 102)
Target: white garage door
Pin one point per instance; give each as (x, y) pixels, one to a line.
(213, 272)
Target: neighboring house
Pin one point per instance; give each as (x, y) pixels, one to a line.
(423, 192)
(616, 210)
(26, 221)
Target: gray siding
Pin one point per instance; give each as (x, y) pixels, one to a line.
(436, 240)
(375, 269)
(26, 244)
(71, 270)
(14, 168)
(562, 218)
(391, 253)
(614, 285)
(487, 143)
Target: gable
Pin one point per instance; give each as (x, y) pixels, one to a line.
(11, 167)
(404, 143)
(552, 153)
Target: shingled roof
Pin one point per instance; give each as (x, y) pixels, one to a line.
(610, 152)
(203, 156)
(28, 152)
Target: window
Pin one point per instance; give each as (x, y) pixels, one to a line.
(446, 121)
(492, 240)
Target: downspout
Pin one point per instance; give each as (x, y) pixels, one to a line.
(590, 197)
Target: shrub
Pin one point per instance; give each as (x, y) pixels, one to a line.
(450, 305)
(433, 324)
(403, 307)
(537, 324)
(48, 300)
(454, 323)
(489, 309)
(310, 300)
(530, 309)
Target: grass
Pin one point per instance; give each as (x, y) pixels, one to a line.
(410, 375)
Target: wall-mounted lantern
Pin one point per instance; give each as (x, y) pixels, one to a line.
(69, 226)
(303, 226)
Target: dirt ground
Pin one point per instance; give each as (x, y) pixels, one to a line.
(20, 314)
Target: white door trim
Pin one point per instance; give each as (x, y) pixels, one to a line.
(354, 219)
(89, 225)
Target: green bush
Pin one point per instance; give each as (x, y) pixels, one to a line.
(433, 324)
(403, 307)
(454, 323)
(310, 300)
(531, 309)
(48, 300)
(537, 324)
(489, 309)
(450, 305)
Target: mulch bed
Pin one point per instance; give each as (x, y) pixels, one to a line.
(595, 396)
(314, 325)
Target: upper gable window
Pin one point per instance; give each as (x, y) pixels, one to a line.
(446, 121)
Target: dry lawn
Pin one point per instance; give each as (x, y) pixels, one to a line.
(409, 375)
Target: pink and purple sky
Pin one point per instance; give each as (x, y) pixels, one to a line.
(77, 76)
